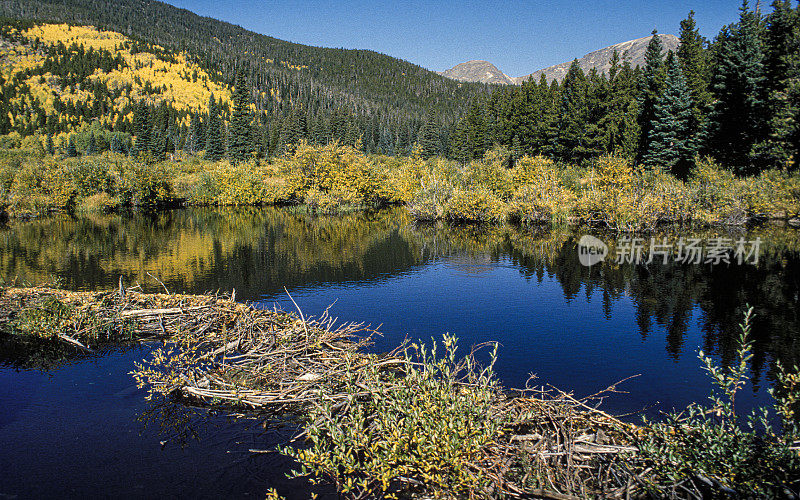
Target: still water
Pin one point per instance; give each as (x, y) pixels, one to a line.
(78, 427)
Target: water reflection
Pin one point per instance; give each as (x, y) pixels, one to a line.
(45, 355)
(259, 251)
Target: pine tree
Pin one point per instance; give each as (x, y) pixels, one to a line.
(694, 65)
(782, 86)
(621, 120)
(475, 123)
(353, 136)
(430, 137)
(240, 128)
(190, 144)
(573, 114)
(49, 146)
(142, 127)
(295, 128)
(459, 145)
(651, 84)
(385, 145)
(91, 148)
(116, 144)
(597, 109)
(738, 119)
(671, 146)
(158, 143)
(72, 151)
(215, 145)
(547, 131)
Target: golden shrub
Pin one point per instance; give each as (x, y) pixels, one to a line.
(41, 185)
(773, 193)
(474, 205)
(540, 197)
(340, 171)
(99, 202)
(492, 173)
(716, 193)
(616, 194)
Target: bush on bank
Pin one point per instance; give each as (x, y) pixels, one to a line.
(611, 191)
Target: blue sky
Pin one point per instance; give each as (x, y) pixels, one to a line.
(517, 36)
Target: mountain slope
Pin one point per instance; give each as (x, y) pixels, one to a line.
(299, 92)
(477, 71)
(59, 78)
(363, 81)
(632, 51)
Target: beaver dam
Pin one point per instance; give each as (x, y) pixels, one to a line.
(420, 420)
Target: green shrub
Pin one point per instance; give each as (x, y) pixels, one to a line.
(708, 446)
(426, 423)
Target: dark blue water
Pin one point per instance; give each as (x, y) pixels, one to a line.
(571, 344)
(72, 426)
(83, 430)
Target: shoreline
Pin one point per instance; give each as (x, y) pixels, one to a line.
(610, 192)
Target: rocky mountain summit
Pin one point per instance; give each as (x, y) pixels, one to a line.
(477, 71)
(632, 51)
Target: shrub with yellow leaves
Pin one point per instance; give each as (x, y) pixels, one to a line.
(617, 195)
(540, 197)
(334, 174)
(225, 184)
(492, 173)
(400, 179)
(99, 202)
(143, 185)
(474, 205)
(718, 196)
(41, 185)
(427, 423)
(773, 194)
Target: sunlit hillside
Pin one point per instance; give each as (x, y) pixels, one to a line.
(60, 75)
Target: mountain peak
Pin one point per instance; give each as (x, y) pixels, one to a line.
(477, 71)
(632, 51)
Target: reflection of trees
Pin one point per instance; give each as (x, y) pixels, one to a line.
(259, 251)
(667, 294)
(256, 251)
(35, 353)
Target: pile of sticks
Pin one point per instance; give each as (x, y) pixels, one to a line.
(564, 447)
(228, 354)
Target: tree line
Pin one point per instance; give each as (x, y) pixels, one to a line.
(736, 98)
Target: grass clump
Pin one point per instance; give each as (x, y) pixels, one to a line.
(44, 319)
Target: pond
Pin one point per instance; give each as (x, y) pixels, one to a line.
(79, 427)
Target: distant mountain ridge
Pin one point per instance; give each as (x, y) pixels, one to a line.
(633, 51)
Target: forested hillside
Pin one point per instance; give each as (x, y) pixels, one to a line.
(735, 98)
(299, 90)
